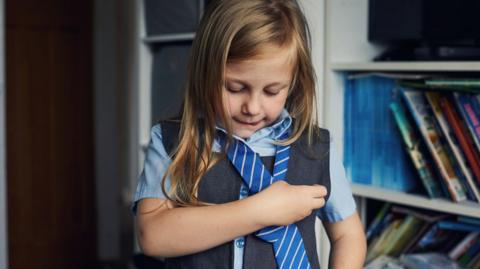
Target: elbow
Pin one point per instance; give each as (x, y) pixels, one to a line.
(149, 245)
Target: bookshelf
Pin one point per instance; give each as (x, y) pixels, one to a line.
(348, 50)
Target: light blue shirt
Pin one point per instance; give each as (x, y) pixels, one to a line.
(339, 206)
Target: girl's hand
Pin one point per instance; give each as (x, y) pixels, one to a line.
(282, 204)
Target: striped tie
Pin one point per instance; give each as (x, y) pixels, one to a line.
(287, 241)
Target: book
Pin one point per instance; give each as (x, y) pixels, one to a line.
(429, 261)
(423, 214)
(378, 222)
(475, 262)
(413, 147)
(467, 106)
(465, 174)
(412, 242)
(428, 217)
(377, 247)
(421, 111)
(458, 226)
(400, 237)
(475, 221)
(372, 154)
(437, 240)
(464, 140)
(463, 245)
(470, 254)
(384, 262)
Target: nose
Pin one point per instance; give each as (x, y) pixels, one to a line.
(251, 105)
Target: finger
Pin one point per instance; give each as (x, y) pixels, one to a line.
(319, 191)
(318, 202)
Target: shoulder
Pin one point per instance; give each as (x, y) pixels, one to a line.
(168, 130)
(321, 135)
(318, 135)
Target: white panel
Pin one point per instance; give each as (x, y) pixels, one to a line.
(144, 80)
(314, 10)
(3, 176)
(347, 31)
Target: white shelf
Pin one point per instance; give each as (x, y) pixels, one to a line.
(470, 66)
(466, 208)
(166, 38)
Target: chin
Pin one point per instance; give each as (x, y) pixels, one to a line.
(243, 133)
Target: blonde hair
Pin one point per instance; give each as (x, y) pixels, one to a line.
(235, 30)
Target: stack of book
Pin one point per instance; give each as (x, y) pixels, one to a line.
(429, 126)
(406, 236)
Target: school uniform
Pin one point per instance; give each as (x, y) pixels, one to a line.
(318, 164)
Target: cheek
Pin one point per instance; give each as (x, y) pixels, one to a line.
(226, 102)
(278, 105)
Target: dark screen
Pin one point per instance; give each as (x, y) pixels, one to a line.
(424, 21)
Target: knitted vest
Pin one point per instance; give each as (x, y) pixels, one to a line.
(221, 184)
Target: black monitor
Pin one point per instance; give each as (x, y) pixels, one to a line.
(426, 24)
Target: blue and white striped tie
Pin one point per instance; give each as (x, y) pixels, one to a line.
(287, 241)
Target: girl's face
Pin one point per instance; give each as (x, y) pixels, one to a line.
(256, 89)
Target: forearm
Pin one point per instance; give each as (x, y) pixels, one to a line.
(185, 230)
(348, 242)
(348, 252)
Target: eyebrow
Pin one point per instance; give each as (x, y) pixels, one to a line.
(281, 84)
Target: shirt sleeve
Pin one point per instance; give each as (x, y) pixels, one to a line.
(340, 204)
(156, 163)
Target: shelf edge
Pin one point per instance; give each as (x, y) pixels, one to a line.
(470, 66)
(466, 208)
(166, 38)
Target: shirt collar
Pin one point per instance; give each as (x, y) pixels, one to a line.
(273, 131)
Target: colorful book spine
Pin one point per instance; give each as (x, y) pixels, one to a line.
(470, 220)
(466, 104)
(466, 174)
(376, 224)
(421, 111)
(462, 135)
(399, 239)
(463, 245)
(470, 254)
(458, 226)
(412, 144)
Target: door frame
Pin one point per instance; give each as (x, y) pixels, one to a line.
(3, 167)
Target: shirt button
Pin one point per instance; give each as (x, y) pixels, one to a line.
(243, 191)
(240, 243)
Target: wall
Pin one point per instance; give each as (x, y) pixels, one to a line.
(113, 80)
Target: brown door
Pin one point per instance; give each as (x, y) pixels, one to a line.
(50, 184)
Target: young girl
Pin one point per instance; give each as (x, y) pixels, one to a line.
(240, 180)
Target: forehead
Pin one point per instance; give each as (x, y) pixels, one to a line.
(272, 63)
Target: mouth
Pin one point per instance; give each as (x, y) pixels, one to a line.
(248, 123)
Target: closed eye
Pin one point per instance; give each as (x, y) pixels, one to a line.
(274, 91)
(235, 88)
(271, 92)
